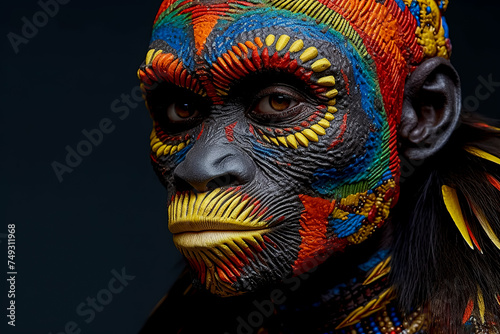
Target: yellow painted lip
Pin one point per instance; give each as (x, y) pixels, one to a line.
(210, 225)
(214, 238)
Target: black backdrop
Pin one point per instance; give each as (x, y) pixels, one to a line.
(107, 217)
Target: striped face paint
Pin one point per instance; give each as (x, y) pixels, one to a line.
(274, 127)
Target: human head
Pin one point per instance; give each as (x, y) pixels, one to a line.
(276, 126)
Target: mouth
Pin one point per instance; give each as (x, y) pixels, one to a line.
(209, 225)
(216, 217)
(212, 238)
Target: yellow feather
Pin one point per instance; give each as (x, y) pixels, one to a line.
(482, 154)
(451, 201)
(486, 225)
(480, 304)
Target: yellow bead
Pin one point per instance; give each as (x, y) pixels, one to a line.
(328, 81)
(329, 117)
(174, 150)
(292, 141)
(160, 149)
(274, 141)
(167, 149)
(296, 46)
(310, 135)
(156, 54)
(282, 42)
(282, 140)
(332, 102)
(154, 141)
(266, 138)
(321, 65)
(331, 109)
(301, 139)
(318, 129)
(308, 54)
(149, 56)
(181, 146)
(324, 123)
(156, 146)
(270, 40)
(331, 93)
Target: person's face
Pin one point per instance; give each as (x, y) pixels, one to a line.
(271, 138)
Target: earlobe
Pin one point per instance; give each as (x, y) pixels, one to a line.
(431, 108)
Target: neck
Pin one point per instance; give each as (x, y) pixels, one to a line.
(349, 293)
(330, 293)
(336, 297)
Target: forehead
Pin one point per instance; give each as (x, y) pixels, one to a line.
(201, 32)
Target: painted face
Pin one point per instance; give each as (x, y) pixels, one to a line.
(273, 135)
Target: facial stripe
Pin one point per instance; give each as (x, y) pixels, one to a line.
(203, 209)
(388, 30)
(315, 247)
(203, 20)
(164, 144)
(166, 67)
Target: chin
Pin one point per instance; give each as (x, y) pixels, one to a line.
(233, 244)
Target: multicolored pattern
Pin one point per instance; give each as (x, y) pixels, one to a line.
(388, 321)
(220, 260)
(163, 144)
(397, 35)
(351, 220)
(352, 58)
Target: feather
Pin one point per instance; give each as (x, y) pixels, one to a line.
(468, 311)
(473, 238)
(451, 201)
(480, 304)
(482, 154)
(486, 126)
(493, 181)
(485, 224)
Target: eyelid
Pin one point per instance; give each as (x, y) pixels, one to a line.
(164, 97)
(280, 89)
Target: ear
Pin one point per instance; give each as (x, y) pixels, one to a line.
(431, 108)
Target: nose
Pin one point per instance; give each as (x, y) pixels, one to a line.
(207, 167)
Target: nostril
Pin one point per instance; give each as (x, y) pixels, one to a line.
(182, 185)
(226, 180)
(222, 181)
(207, 168)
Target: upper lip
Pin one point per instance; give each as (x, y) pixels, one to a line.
(209, 225)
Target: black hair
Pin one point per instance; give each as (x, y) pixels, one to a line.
(432, 264)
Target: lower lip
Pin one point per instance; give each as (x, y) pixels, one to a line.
(213, 238)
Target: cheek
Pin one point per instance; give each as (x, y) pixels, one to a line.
(328, 227)
(316, 246)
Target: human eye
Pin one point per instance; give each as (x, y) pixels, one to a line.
(176, 110)
(276, 103)
(181, 111)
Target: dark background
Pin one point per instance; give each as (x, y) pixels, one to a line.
(109, 212)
